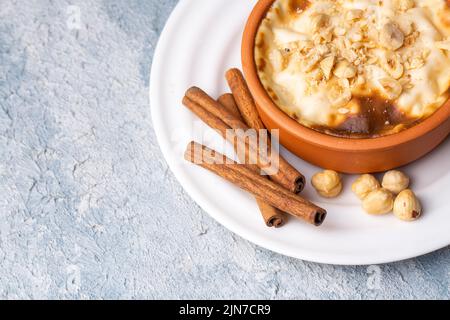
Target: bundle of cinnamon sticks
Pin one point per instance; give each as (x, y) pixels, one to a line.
(277, 193)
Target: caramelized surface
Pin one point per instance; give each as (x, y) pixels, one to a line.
(377, 117)
(296, 6)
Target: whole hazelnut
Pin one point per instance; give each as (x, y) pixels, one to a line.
(395, 181)
(391, 37)
(327, 183)
(407, 207)
(364, 185)
(378, 202)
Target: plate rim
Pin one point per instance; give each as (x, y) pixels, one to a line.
(198, 198)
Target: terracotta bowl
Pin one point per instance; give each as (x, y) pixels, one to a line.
(340, 154)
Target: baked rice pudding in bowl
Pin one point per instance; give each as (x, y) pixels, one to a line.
(368, 79)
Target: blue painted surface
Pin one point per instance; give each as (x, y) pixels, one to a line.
(88, 206)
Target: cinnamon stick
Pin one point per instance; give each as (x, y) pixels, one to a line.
(200, 97)
(244, 98)
(286, 176)
(227, 100)
(252, 153)
(271, 215)
(221, 128)
(247, 107)
(245, 178)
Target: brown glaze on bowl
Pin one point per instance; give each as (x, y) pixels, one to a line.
(337, 153)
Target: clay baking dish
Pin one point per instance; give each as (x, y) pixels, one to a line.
(330, 152)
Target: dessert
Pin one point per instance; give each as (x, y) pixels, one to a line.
(357, 69)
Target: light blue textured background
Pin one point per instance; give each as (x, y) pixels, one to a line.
(88, 206)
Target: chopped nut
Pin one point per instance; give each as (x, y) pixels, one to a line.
(327, 65)
(355, 35)
(391, 37)
(415, 62)
(364, 185)
(372, 34)
(318, 39)
(301, 46)
(378, 202)
(391, 63)
(316, 75)
(354, 14)
(411, 39)
(313, 79)
(395, 181)
(322, 49)
(344, 83)
(360, 80)
(405, 82)
(339, 93)
(407, 207)
(406, 26)
(344, 70)
(326, 35)
(390, 88)
(327, 183)
(349, 55)
(310, 61)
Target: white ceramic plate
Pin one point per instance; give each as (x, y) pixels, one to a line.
(200, 41)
